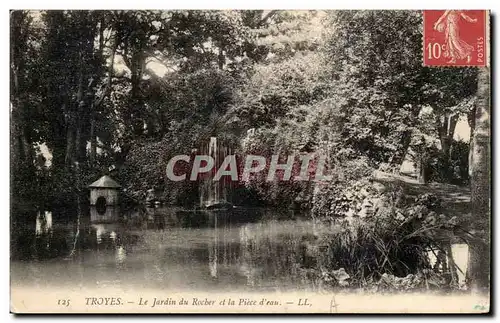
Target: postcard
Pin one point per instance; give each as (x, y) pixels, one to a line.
(250, 161)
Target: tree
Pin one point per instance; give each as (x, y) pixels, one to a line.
(21, 29)
(70, 48)
(376, 64)
(24, 104)
(287, 70)
(451, 94)
(478, 271)
(382, 86)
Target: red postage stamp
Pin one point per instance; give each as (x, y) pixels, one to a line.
(455, 38)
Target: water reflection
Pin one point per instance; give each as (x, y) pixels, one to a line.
(108, 214)
(120, 255)
(460, 253)
(168, 247)
(43, 223)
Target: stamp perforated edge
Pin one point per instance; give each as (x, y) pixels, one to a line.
(487, 28)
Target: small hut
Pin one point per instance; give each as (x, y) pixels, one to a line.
(104, 192)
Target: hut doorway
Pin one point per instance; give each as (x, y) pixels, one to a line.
(101, 205)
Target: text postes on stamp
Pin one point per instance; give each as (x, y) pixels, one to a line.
(455, 38)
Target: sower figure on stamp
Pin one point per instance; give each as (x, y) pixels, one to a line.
(456, 48)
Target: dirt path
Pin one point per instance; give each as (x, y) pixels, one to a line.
(455, 199)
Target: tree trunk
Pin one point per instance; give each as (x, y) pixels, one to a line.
(137, 67)
(478, 271)
(80, 101)
(93, 138)
(221, 58)
(28, 150)
(406, 138)
(70, 144)
(96, 104)
(423, 170)
(452, 267)
(471, 119)
(399, 156)
(446, 130)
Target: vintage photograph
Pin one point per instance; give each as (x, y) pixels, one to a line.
(250, 161)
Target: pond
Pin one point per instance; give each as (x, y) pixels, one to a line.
(167, 248)
(248, 249)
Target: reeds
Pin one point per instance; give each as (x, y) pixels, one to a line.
(379, 238)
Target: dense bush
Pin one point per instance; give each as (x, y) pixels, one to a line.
(346, 192)
(145, 169)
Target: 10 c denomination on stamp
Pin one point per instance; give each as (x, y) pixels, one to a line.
(455, 38)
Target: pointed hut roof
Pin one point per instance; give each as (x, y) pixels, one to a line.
(105, 182)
